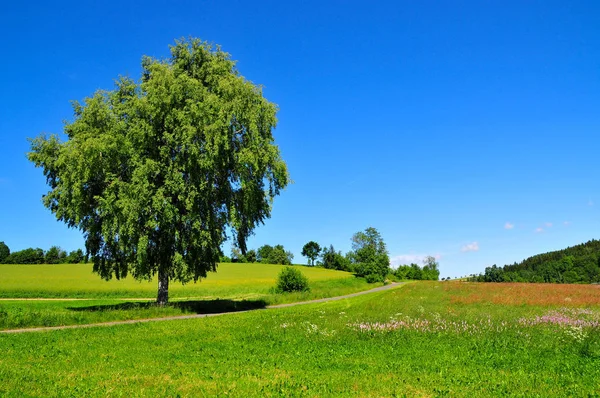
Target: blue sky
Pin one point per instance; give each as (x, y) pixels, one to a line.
(466, 130)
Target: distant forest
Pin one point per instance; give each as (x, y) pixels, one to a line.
(577, 264)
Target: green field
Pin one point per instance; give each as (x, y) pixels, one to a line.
(233, 287)
(78, 281)
(420, 339)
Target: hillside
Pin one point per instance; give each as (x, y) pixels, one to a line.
(577, 264)
(240, 281)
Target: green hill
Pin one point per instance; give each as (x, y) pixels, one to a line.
(239, 281)
(576, 264)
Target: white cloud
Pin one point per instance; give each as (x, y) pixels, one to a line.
(567, 223)
(471, 247)
(538, 230)
(402, 259)
(548, 224)
(590, 202)
(509, 226)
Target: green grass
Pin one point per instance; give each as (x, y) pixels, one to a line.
(68, 280)
(28, 314)
(316, 350)
(234, 286)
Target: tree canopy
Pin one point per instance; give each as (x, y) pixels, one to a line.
(55, 255)
(311, 250)
(369, 255)
(264, 253)
(4, 251)
(332, 259)
(576, 264)
(157, 174)
(251, 256)
(274, 255)
(429, 271)
(26, 256)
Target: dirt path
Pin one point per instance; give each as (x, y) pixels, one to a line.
(193, 316)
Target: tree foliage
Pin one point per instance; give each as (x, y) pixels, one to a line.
(75, 257)
(4, 251)
(280, 256)
(311, 250)
(237, 256)
(264, 253)
(251, 256)
(156, 173)
(429, 271)
(277, 254)
(577, 264)
(332, 259)
(369, 255)
(26, 256)
(55, 255)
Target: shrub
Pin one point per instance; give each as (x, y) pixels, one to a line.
(291, 280)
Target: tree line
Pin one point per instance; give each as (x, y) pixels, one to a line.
(368, 258)
(54, 255)
(577, 264)
(265, 254)
(428, 272)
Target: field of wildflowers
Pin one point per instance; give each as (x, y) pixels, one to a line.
(536, 294)
(422, 339)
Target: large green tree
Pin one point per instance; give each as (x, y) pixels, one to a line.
(157, 174)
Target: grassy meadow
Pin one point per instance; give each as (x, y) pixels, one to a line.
(78, 281)
(420, 339)
(233, 287)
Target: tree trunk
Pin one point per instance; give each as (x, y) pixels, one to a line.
(163, 287)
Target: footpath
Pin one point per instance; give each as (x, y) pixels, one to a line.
(194, 316)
